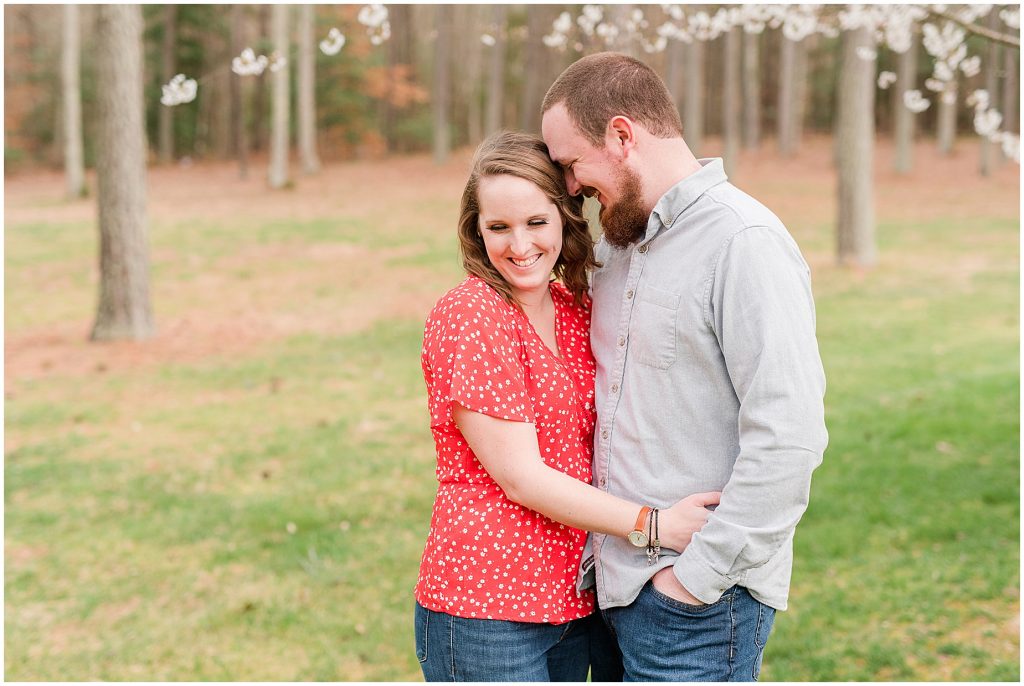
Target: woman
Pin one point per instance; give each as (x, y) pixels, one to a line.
(510, 377)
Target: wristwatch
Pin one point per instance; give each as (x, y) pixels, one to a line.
(638, 536)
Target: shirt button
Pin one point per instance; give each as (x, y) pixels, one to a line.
(629, 295)
(622, 341)
(615, 388)
(602, 482)
(604, 433)
(642, 248)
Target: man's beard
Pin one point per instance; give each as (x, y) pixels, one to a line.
(625, 221)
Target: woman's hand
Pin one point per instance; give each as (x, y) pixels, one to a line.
(678, 524)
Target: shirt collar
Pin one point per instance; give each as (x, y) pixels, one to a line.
(686, 192)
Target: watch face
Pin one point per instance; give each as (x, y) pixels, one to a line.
(637, 538)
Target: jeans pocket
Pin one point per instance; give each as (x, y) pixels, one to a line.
(686, 607)
(422, 619)
(652, 335)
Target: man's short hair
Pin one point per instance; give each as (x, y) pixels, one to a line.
(598, 87)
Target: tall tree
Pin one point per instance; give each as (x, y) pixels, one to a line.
(168, 67)
(855, 144)
(474, 67)
(903, 118)
(989, 151)
(278, 174)
(946, 119)
(1011, 91)
(538, 23)
(441, 96)
(693, 107)
(792, 93)
(307, 96)
(240, 94)
(213, 124)
(400, 64)
(674, 71)
(74, 164)
(731, 98)
(751, 90)
(496, 72)
(124, 309)
(259, 123)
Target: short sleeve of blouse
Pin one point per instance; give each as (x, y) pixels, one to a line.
(471, 355)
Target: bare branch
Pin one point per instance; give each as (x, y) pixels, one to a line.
(995, 36)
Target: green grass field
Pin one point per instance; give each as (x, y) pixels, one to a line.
(259, 514)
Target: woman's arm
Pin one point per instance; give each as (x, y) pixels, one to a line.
(508, 451)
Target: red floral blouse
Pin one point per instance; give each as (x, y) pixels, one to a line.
(487, 557)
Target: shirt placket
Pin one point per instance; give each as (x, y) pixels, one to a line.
(637, 259)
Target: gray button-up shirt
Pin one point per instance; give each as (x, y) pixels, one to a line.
(708, 378)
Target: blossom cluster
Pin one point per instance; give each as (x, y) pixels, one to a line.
(986, 124)
(375, 19)
(179, 91)
(248, 64)
(333, 43)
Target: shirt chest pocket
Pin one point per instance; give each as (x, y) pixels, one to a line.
(652, 336)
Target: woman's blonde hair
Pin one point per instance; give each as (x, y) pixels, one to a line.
(525, 156)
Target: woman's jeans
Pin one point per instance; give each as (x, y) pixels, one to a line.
(664, 639)
(459, 649)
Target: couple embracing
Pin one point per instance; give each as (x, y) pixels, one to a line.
(664, 394)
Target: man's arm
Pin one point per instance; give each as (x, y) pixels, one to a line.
(762, 312)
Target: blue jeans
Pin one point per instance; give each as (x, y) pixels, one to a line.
(453, 648)
(663, 639)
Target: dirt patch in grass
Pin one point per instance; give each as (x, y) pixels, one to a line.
(261, 294)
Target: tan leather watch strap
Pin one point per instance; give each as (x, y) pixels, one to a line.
(641, 519)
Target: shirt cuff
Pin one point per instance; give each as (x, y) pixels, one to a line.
(697, 576)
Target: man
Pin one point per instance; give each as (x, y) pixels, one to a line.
(708, 375)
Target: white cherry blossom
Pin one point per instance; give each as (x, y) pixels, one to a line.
(178, 91)
(915, 102)
(333, 43)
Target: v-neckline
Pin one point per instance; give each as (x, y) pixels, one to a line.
(553, 353)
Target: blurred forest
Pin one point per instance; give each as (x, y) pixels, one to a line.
(375, 99)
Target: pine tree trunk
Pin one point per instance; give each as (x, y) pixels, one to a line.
(856, 135)
(792, 94)
(307, 96)
(165, 122)
(124, 302)
(441, 96)
(731, 98)
(693, 107)
(399, 59)
(751, 90)
(537, 54)
(496, 76)
(800, 92)
(947, 121)
(1011, 92)
(74, 165)
(278, 173)
(240, 95)
(259, 124)
(474, 69)
(989, 151)
(903, 118)
(674, 70)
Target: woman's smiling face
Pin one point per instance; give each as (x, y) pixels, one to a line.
(522, 233)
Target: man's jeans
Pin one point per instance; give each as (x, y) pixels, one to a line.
(459, 649)
(663, 639)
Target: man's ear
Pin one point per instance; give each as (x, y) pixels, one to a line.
(621, 134)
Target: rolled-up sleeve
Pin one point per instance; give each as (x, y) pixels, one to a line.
(760, 306)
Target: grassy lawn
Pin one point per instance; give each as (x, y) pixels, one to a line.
(258, 512)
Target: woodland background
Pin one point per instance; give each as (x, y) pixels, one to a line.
(242, 492)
